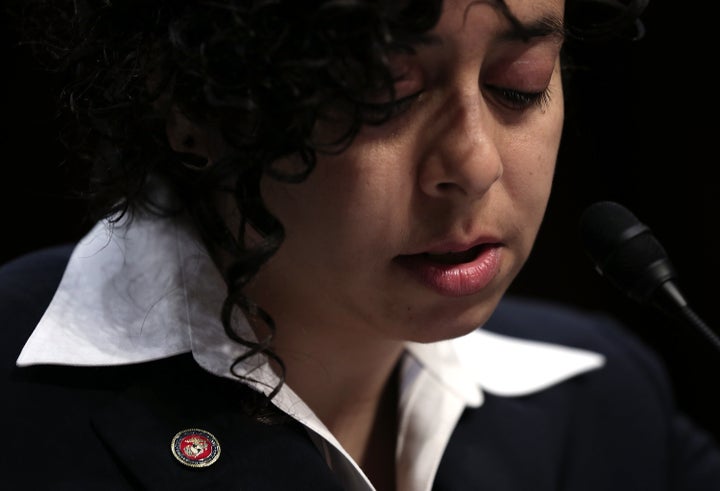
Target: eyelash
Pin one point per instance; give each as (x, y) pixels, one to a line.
(519, 100)
(385, 111)
(512, 99)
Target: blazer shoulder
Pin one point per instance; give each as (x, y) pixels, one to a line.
(560, 323)
(27, 285)
(628, 357)
(54, 257)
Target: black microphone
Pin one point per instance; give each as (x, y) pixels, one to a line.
(626, 252)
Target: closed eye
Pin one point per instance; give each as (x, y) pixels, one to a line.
(518, 100)
(379, 113)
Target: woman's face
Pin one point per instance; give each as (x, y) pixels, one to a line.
(417, 229)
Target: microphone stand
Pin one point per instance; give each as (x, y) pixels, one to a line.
(670, 300)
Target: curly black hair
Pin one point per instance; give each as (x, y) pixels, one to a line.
(260, 72)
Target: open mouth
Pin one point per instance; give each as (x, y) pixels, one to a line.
(456, 273)
(455, 257)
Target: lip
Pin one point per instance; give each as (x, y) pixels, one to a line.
(456, 279)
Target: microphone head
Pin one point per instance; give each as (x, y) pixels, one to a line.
(624, 250)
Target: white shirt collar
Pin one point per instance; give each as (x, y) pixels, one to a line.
(124, 299)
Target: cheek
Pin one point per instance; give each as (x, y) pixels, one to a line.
(344, 205)
(537, 144)
(532, 163)
(528, 175)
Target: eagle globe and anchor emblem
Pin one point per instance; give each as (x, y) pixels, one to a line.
(194, 447)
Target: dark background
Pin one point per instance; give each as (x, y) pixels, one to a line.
(642, 132)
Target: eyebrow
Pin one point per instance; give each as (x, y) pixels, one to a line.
(546, 26)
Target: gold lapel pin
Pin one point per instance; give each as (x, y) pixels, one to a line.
(195, 448)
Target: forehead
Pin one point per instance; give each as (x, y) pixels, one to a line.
(536, 7)
(504, 18)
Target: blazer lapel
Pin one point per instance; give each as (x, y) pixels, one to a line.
(139, 425)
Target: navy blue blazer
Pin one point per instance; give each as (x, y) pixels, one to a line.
(109, 428)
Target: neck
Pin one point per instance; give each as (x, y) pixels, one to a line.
(360, 410)
(351, 385)
(344, 385)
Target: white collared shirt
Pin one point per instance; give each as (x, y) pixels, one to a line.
(149, 291)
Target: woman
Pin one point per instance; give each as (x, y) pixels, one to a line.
(307, 210)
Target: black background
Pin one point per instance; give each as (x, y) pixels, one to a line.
(642, 132)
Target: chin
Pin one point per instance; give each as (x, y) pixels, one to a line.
(450, 321)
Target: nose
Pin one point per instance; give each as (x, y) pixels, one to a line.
(463, 159)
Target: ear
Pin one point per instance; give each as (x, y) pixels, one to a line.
(189, 138)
